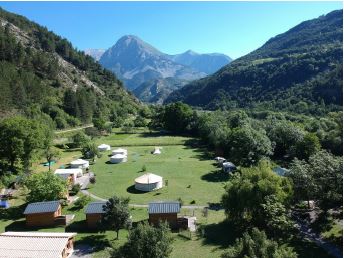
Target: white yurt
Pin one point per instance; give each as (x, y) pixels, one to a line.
(66, 173)
(79, 163)
(104, 147)
(148, 182)
(120, 151)
(118, 158)
(156, 151)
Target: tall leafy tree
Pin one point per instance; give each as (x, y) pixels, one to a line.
(256, 244)
(146, 241)
(116, 213)
(45, 186)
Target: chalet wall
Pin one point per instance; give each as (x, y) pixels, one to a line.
(171, 218)
(93, 219)
(42, 219)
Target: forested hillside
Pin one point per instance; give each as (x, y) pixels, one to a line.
(300, 71)
(42, 75)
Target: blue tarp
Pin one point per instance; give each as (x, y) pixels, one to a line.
(4, 204)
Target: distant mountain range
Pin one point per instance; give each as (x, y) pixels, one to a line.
(141, 66)
(95, 53)
(298, 69)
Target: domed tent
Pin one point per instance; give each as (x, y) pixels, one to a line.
(156, 151)
(79, 163)
(118, 158)
(104, 147)
(148, 182)
(120, 151)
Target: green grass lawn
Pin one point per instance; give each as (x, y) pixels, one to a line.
(190, 173)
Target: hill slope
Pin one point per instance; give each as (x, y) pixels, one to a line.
(303, 65)
(41, 73)
(135, 62)
(95, 53)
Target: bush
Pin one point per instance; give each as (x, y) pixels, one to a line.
(93, 180)
(193, 202)
(81, 202)
(75, 189)
(144, 168)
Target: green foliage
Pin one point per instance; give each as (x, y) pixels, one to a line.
(20, 140)
(99, 123)
(116, 213)
(80, 139)
(45, 186)
(81, 202)
(176, 117)
(75, 189)
(146, 241)
(319, 178)
(308, 146)
(140, 122)
(256, 244)
(248, 146)
(245, 194)
(90, 151)
(50, 154)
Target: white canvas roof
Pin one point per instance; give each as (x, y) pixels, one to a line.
(33, 244)
(103, 145)
(228, 164)
(157, 151)
(118, 156)
(68, 171)
(148, 178)
(79, 162)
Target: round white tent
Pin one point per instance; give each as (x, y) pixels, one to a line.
(156, 151)
(71, 172)
(148, 182)
(120, 151)
(104, 147)
(118, 158)
(79, 163)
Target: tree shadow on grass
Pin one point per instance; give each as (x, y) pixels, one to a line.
(98, 242)
(21, 226)
(216, 176)
(131, 189)
(221, 234)
(12, 213)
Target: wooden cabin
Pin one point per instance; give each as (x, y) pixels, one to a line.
(164, 211)
(37, 244)
(42, 213)
(94, 212)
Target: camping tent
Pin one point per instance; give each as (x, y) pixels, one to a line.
(67, 173)
(156, 151)
(118, 158)
(104, 147)
(120, 151)
(228, 167)
(80, 163)
(148, 182)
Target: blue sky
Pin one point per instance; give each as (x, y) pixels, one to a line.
(233, 28)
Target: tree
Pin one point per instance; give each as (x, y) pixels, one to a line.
(146, 241)
(308, 146)
(176, 117)
(256, 244)
(20, 139)
(80, 139)
(277, 219)
(248, 146)
(50, 154)
(90, 151)
(45, 186)
(246, 191)
(116, 213)
(99, 123)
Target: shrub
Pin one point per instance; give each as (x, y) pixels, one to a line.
(193, 202)
(75, 189)
(81, 202)
(144, 168)
(93, 180)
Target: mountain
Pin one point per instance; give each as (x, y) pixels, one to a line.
(207, 63)
(42, 75)
(135, 62)
(156, 90)
(300, 69)
(95, 53)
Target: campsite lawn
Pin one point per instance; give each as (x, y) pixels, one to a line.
(190, 173)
